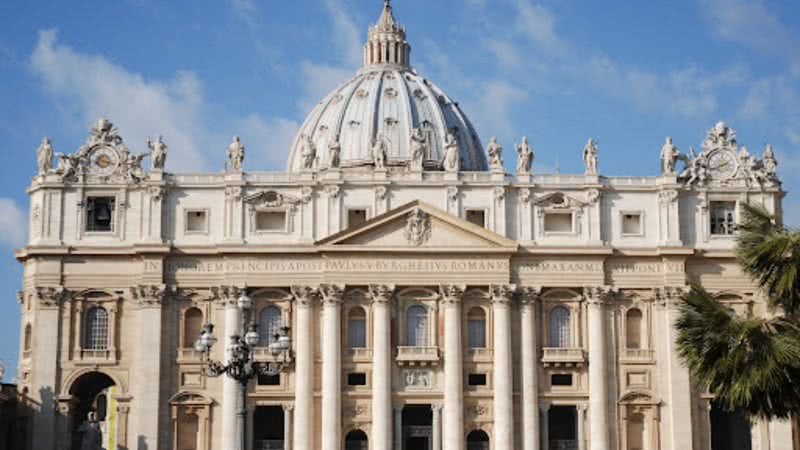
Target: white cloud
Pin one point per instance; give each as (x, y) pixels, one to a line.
(13, 223)
(506, 53)
(268, 141)
(320, 80)
(494, 108)
(538, 24)
(347, 33)
(139, 107)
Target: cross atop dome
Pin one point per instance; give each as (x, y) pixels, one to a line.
(386, 44)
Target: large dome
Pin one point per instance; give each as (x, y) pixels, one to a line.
(386, 100)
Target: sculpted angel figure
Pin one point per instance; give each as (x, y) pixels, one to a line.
(697, 170)
(379, 152)
(495, 152)
(334, 153)
(525, 156)
(235, 155)
(68, 165)
(44, 156)
(158, 153)
(308, 154)
(590, 157)
(452, 162)
(669, 157)
(133, 166)
(419, 146)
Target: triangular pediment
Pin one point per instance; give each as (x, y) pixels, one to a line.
(558, 200)
(418, 225)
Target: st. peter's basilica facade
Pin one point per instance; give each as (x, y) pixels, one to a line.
(435, 302)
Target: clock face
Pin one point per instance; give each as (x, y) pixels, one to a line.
(104, 161)
(722, 164)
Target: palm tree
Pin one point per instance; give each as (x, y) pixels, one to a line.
(750, 364)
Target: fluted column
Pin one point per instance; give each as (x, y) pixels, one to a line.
(147, 366)
(231, 397)
(503, 369)
(303, 435)
(331, 367)
(381, 367)
(529, 360)
(437, 427)
(453, 433)
(288, 410)
(598, 390)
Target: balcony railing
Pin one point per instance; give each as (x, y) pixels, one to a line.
(417, 356)
(189, 355)
(563, 357)
(480, 354)
(264, 354)
(638, 355)
(360, 354)
(96, 357)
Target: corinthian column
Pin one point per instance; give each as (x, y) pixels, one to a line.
(381, 367)
(303, 435)
(503, 370)
(331, 367)
(529, 362)
(231, 397)
(598, 389)
(453, 432)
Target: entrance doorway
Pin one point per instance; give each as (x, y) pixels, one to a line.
(563, 428)
(417, 427)
(478, 440)
(729, 429)
(93, 393)
(268, 428)
(356, 440)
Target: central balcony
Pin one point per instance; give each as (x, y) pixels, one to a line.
(563, 357)
(417, 356)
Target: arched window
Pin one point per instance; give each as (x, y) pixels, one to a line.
(633, 328)
(478, 440)
(192, 325)
(476, 328)
(356, 440)
(269, 324)
(417, 326)
(27, 338)
(96, 337)
(357, 328)
(559, 327)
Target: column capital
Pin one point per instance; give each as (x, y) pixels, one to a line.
(226, 295)
(529, 295)
(149, 295)
(452, 293)
(332, 294)
(51, 296)
(436, 406)
(599, 295)
(381, 293)
(305, 295)
(502, 294)
(670, 296)
(288, 406)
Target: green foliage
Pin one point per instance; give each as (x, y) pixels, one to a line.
(752, 365)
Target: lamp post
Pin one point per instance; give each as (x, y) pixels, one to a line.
(241, 365)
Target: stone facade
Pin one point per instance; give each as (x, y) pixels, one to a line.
(430, 307)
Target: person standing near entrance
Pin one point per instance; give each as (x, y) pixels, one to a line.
(91, 436)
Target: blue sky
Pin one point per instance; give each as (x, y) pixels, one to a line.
(559, 71)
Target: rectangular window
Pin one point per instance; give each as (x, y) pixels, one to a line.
(631, 224)
(356, 217)
(477, 379)
(100, 214)
(196, 222)
(271, 221)
(561, 379)
(723, 218)
(269, 380)
(357, 332)
(476, 217)
(558, 222)
(356, 379)
(476, 333)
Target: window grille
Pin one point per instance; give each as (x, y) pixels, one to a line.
(417, 326)
(269, 324)
(559, 327)
(96, 337)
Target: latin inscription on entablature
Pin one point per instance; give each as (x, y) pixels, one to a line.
(629, 272)
(558, 271)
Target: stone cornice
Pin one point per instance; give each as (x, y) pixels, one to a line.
(381, 293)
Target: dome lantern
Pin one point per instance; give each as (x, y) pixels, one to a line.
(386, 44)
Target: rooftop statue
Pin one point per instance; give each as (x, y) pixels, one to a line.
(452, 160)
(419, 148)
(334, 153)
(235, 155)
(44, 156)
(379, 152)
(525, 157)
(590, 157)
(309, 154)
(669, 157)
(158, 153)
(495, 152)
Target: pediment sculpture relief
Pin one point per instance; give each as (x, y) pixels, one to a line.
(558, 200)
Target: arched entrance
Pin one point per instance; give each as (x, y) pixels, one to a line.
(478, 440)
(93, 392)
(356, 440)
(730, 430)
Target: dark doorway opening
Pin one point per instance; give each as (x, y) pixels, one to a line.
(417, 427)
(268, 428)
(563, 427)
(729, 429)
(356, 440)
(91, 394)
(478, 440)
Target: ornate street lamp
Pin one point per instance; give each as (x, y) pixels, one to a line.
(241, 365)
